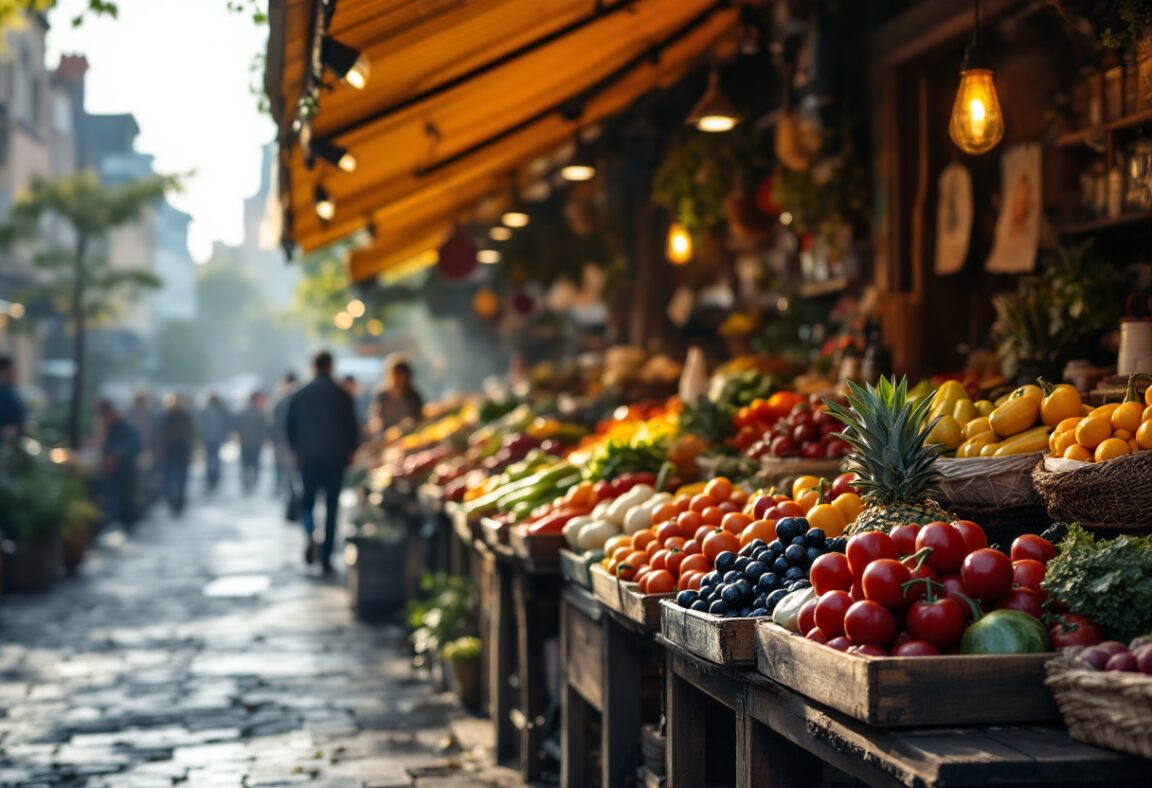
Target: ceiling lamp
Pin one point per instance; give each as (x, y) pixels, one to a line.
(582, 165)
(977, 125)
(325, 207)
(714, 112)
(499, 233)
(347, 63)
(488, 256)
(334, 154)
(678, 247)
(515, 217)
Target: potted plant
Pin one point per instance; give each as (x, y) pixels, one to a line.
(78, 515)
(443, 614)
(463, 658)
(33, 516)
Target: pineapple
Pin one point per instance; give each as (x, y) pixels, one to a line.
(897, 469)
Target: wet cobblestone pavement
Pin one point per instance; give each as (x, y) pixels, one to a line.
(200, 652)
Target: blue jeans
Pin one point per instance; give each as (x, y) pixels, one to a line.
(329, 479)
(212, 465)
(175, 482)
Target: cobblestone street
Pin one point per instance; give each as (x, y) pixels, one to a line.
(199, 651)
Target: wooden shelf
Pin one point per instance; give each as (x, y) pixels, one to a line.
(1102, 225)
(1082, 136)
(814, 289)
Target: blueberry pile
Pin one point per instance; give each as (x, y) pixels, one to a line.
(753, 581)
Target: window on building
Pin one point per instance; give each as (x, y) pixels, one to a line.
(62, 114)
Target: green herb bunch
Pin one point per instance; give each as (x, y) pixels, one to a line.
(1108, 581)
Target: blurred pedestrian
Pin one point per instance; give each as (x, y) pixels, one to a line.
(215, 426)
(119, 452)
(350, 384)
(282, 454)
(398, 400)
(12, 412)
(252, 428)
(144, 416)
(177, 438)
(323, 433)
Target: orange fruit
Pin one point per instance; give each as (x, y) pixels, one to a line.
(713, 515)
(665, 512)
(659, 581)
(803, 483)
(1068, 424)
(807, 499)
(827, 518)
(849, 505)
(720, 489)
(1133, 446)
(1144, 434)
(1123, 435)
(1105, 410)
(695, 562)
(1127, 417)
(1077, 452)
(1110, 449)
(1093, 431)
(1060, 441)
(641, 539)
(619, 540)
(718, 542)
(701, 502)
(1147, 414)
(736, 522)
(761, 529)
(738, 497)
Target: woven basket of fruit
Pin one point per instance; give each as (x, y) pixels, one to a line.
(777, 471)
(987, 482)
(1115, 494)
(1109, 708)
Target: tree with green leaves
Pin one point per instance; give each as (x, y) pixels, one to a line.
(78, 276)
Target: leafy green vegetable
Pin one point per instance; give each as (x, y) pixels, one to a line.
(1108, 581)
(707, 420)
(615, 458)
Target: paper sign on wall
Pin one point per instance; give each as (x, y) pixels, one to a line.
(953, 219)
(1018, 226)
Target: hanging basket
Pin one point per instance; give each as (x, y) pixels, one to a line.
(1107, 708)
(1112, 495)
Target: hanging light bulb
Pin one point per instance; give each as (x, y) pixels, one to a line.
(488, 256)
(582, 165)
(325, 207)
(346, 62)
(977, 124)
(499, 233)
(334, 154)
(515, 219)
(678, 247)
(714, 113)
(356, 308)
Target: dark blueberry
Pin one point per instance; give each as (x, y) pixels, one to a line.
(815, 537)
(717, 607)
(745, 611)
(731, 576)
(732, 595)
(725, 561)
(758, 600)
(742, 563)
(776, 546)
(754, 570)
(700, 605)
(802, 524)
(745, 589)
(795, 554)
(795, 573)
(686, 598)
(763, 554)
(731, 614)
(812, 553)
(745, 551)
(798, 540)
(837, 544)
(707, 594)
(780, 565)
(756, 544)
(759, 611)
(769, 582)
(710, 579)
(775, 597)
(788, 529)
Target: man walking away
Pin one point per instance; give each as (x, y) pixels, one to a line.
(323, 433)
(252, 428)
(177, 437)
(281, 452)
(12, 412)
(215, 424)
(118, 454)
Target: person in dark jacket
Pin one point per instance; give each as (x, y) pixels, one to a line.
(215, 426)
(118, 454)
(323, 433)
(176, 440)
(280, 450)
(252, 430)
(12, 412)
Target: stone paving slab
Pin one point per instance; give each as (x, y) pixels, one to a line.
(199, 652)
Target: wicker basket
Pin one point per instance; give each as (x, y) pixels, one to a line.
(1112, 495)
(777, 472)
(984, 483)
(1109, 709)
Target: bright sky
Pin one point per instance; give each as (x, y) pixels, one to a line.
(182, 68)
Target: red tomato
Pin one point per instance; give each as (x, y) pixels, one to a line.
(1028, 573)
(940, 623)
(830, 610)
(857, 590)
(735, 522)
(953, 586)
(701, 502)
(675, 543)
(923, 572)
(667, 531)
(807, 618)
(702, 533)
(867, 547)
(720, 541)
(658, 559)
(641, 578)
(673, 561)
(974, 536)
(687, 578)
(915, 648)
(1026, 600)
(789, 509)
(695, 562)
(1032, 546)
(883, 582)
(692, 547)
(987, 574)
(1071, 629)
(719, 489)
(840, 643)
(905, 538)
(947, 545)
(712, 515)
(816, 634)
(869, 623)
(660, 581)
(868, 650)
(830, 572)
(689, 522)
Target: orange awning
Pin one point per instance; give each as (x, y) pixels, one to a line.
(460, 95)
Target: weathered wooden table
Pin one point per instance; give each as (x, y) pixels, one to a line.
(582, 696)
(738, 727)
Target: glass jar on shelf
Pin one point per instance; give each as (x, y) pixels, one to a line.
(1115, 206)
(1138, 196)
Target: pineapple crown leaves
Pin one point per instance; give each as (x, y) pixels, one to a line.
(888, 433)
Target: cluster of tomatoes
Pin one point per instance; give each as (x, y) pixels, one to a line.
(914, 591)
(681, 545)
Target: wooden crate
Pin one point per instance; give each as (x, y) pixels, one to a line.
(730, 642)
(909, 691)
(626, 599)
(495, 532)
(584, 647)
(528, 545)
(467, 528)
(573, 568)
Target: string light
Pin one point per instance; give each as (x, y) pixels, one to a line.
(325, 206)
(977, 124)
(346, 62)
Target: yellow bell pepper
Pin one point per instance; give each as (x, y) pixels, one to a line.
(946, 432)
(977, 426)
(1060, 402)
(1035, 439)
(945, 399)
(1015, 416)
(972, 446)
(985, 407)
(965, 411)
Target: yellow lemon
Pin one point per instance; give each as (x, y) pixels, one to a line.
(1111, 449)
(1093, 431)
(803, 483)
(1077, 452)
(1144, 435)
(1061, 441)
(1127, 417)
(849, 505)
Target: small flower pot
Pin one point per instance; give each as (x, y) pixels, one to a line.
(75, 543)
(465, 676)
